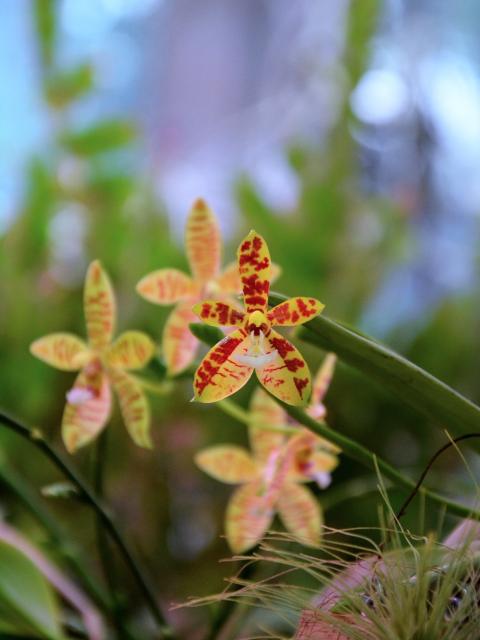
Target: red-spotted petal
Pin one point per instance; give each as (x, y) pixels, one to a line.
(254, 269)
(310, 457)
(179, 345)
(227, 463)
(88, 408)
(202, 241)
(249, 515)
(219, 374)
(99, 305)
(300, 513)
(295, 311)
(166, 286)
(322, 382)
(131, 350)
(134, 407)
(219, 314)
(61, 350)
(264, 411)
(287, 377)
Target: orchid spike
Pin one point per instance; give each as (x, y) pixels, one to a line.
(272, 475)
(103, 364)
(171, 286)
(254, 344)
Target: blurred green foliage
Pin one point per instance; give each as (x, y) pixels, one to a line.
(171, 510)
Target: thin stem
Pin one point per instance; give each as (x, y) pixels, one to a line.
(36, 438)
(409, 382)
(235, 411)
(364, 456)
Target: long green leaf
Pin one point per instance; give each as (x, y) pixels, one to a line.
(410, 383)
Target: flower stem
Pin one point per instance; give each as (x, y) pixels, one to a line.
(235, 411)
(36, 438)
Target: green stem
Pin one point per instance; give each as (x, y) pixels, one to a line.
(36, 438)
(364, 456)
(412, 384)
(235, 411)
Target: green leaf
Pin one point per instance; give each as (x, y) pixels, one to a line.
(205, 333)
(45, 24)
(27, 602)
(65, 87)
(99, 138)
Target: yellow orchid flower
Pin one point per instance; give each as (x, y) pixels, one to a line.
(272, 475)
(171, 286)
(102, 364)
(254, 345)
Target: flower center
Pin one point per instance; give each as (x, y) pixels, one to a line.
(259, 352)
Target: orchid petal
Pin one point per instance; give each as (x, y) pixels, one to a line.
(227, 463)
(134, 407)
(219, 314)
(219, 375)
(249, 515)
(309, 457)
(300, 513)
(202, 241)
(131, 350)
(179, 345)
(166, 286)
(322, 381)
(265, 411)
(254, 269)
(61, 350)
(295, 311)
(288, 376)
(99, 305)
(88, 410)
(275, 272)
(228, 282)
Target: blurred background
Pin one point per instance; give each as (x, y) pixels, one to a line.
(347, 133)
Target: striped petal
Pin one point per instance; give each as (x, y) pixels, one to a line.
(265, 411)
(287, 377)
(131, 350)
(295, 311)
(321, 384)
(179, 345)
(219, 375)
(134, 407)
(166, 286)
(228, 282)
(88, 409)
(249, 515)
(254, 269)
(227, 463)
(61, 350)
(300, 513)
(219, 314)
(202, 241)
(312, 457)
(99, 305)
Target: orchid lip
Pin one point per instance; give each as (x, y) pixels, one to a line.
(79, 396)
(256, 361)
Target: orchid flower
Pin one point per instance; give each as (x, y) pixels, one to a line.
(272, 476)
(171, 286)
(102, 364)
(254, 345)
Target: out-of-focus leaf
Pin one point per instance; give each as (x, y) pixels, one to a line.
(99, 138)
(27, 603)
(65, 87)
(205, 333)
(45, 24)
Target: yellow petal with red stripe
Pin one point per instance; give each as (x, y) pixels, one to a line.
(300, 513)
(249, 515)
(228, 281)
(219, 314)
(166, 286)
(134, 407)
(202, 242)
(321, 384)
(254, 268)
(179, 345)
(287, 377)
(99, 306)
(131, 350)
(227, 463)
(219, 374)
(88, 410)
(295, 311)
(264, 411)
(61, 350)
